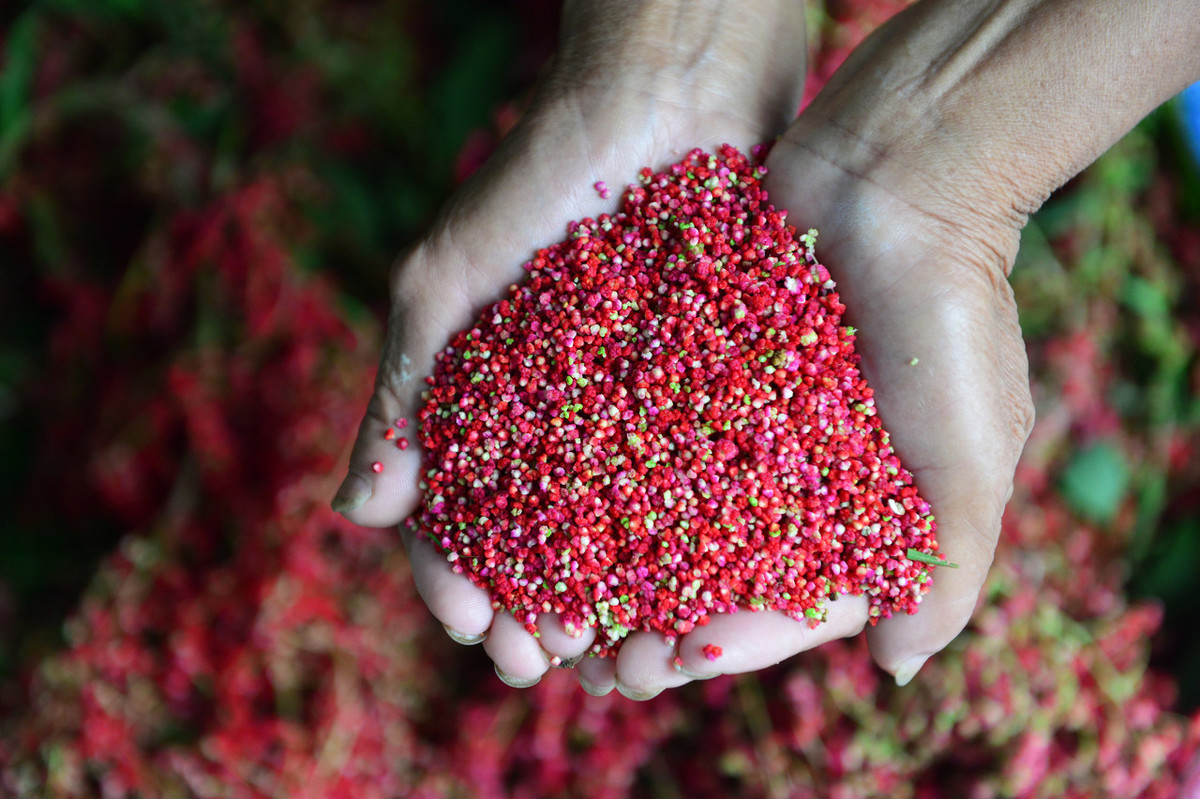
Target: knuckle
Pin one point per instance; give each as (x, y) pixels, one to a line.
(415, 278)
(409, 273)
(382, 407)
(393, 381)
(1025, 413)
(1018, 407)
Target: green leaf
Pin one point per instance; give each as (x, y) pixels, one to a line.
(1146, 299)
(1169, 571)
(473, 82)
(132, 8)
(1095, 482)
(20, 59)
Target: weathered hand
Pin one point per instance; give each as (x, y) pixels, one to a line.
(925, 284)
(631, 87)
(920, 163)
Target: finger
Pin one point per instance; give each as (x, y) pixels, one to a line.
(520, 661)
(734, 643)
(597, 676)
(962, 441)
(381, 487)
(463, 607)
(902, 644)
(646, 666)
(560, 644)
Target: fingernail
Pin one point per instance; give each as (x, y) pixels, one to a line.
(909, 668)
(353, 494)
(636, 696)
(594, 690)
(691, 675)
(516, 682)
(465, 639)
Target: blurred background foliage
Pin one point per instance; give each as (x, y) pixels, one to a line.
(119, 114)
(199, 204)
(1111, 264)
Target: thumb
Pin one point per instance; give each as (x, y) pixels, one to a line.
(903, 644)
(968, 483)
(381, 487)
(961, 418)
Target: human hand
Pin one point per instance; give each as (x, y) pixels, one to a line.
(901, 161)
(924, 282)
(920, 163)
(634, 85)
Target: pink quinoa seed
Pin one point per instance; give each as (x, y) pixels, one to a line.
(602, 189)
(666, 420)
(712, 651)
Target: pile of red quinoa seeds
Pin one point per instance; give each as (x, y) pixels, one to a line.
(667, 420)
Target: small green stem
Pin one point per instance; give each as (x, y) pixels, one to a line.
(921, 557)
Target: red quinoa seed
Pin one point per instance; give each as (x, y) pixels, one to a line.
(666, 420)
(712, 651)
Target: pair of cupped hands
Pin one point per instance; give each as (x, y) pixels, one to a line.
(918, 229)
